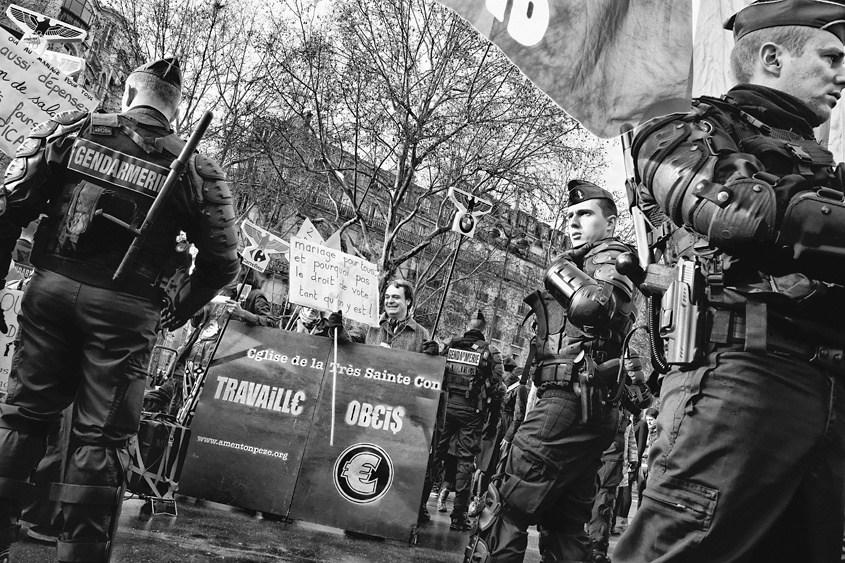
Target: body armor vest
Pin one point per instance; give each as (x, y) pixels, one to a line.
(781, 152)
(467, 366)
(559, 342)
(114, 172)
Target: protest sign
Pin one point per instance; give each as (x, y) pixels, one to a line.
(31, 92)
(330, 280)
(255, 411)
(260, 436)
(262, 243)
(10, 306)
(372, 472)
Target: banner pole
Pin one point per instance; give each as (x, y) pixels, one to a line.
(334, 386)
(446, 286)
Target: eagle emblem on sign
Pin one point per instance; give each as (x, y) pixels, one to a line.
(262, 244)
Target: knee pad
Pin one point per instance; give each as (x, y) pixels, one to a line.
(477, 551)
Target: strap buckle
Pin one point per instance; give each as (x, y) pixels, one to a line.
(832, 358)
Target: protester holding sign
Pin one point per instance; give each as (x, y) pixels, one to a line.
(85, 336)
(396, 328)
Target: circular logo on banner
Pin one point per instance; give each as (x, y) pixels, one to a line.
(363, 473)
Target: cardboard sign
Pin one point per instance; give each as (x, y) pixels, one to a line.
(255, 411)
(330, 280)
(31, 92)
(10, 306)
(372, 476)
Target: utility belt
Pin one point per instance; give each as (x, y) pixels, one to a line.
(91, 274)
(596, 384)
(758, 329)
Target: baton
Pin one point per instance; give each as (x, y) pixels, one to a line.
(177, 168)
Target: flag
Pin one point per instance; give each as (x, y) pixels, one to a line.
(607, 63)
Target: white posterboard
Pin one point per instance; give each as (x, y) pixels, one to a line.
(31, 92)
(10, 306)
(330, 280)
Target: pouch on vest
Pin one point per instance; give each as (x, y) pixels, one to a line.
(93, 221)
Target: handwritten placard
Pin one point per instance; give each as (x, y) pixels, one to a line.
(31, 92)
(10, 307)
(330, 280)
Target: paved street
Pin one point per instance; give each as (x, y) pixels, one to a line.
(206, 531)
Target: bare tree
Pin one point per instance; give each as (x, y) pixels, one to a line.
(401, 100)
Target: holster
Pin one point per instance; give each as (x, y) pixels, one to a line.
(593, 390)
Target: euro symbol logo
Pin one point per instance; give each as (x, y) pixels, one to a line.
(363, 473)
(359, 471)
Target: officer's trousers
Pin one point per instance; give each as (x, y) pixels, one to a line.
(89, 346)
(607, 481)
(748, 465)
(550, 478)
(460, 437)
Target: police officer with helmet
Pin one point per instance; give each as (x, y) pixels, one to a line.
(85, 337)
(472, 382)
(749, 460)
(582, 319)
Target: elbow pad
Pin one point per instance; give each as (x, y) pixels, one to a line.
(677, 159)
(588, 303)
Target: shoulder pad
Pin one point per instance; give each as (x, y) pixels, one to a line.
(70, 117)
(207, 168)
(43, 130)
(607, 273)
(607, 251)
(28, 148)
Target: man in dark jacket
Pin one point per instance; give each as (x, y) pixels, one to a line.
(760, 221)
(86, 338)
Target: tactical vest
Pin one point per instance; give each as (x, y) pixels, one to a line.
(115, 169)
(559, 342)
(782, 152)
(467, 366)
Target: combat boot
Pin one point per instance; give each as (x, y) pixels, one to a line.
(441, 500)
(460, 523)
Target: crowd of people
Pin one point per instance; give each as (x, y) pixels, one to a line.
(746, 212)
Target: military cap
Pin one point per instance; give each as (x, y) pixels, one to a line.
(166, 69)
(477, 315)
(581, 190)
(820, 14)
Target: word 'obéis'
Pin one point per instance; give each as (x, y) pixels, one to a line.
(380, 417)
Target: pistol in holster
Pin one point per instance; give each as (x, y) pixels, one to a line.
(682, 315)
(595, 386)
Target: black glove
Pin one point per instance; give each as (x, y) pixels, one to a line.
(187, 303)
(431, 348)
(335, 320)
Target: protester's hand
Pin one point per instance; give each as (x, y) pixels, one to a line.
(335, 320)
(431, 348)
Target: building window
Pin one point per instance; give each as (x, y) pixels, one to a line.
(77, 12)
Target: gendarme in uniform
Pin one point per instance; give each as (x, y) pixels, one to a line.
(749, 460)
(472, 379)
(84, 338)
(550, 473)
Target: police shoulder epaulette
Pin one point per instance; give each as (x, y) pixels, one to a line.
(104, 124)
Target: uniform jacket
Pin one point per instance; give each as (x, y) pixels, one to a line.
(69, 161)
